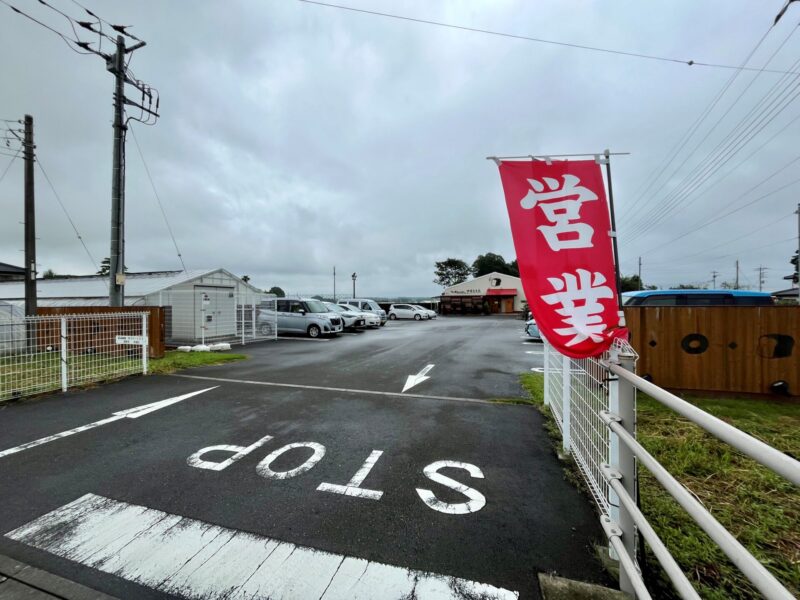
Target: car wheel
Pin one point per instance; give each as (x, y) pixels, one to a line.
(384, 323)
(392, 316)
(314, 331)
(417, 317)
(265, 329)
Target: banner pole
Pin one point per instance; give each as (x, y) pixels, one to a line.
(613, 234)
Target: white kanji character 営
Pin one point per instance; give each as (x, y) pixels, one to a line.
(565, 233)
(578, 297)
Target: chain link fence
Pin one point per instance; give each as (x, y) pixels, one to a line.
(211, 315)
(43, 354)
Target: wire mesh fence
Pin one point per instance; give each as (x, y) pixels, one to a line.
(42, 354)
(577, 391)
(208, 315)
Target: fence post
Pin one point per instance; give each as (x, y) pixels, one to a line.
(254, 318)
(240, 303)
(64, 343)
(622, 403)
(547, 374)
(566, 398)
(145, 344)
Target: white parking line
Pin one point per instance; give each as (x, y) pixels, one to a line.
(193, 559)
(335, 389)
(303, 339)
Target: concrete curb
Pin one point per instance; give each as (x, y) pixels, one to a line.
(24, 581)
(558, 588)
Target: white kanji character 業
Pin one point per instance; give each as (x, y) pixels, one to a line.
(578, 297)
(565, 233)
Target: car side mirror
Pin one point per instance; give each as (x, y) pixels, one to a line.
(302, 311)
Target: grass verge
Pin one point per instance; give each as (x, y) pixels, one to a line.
(761, 509)
(175, 361)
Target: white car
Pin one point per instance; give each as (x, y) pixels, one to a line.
(407, 311)
(351, 319)
(431, 313)
(370, 318)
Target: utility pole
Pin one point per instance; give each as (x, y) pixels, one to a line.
(714, 279)
(798, 253)
(736, 282)
(334, 283)
(354, 277)
(30, 220)
(116, 275)
(640, 272)
(761, 270)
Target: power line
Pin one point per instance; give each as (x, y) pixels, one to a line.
(750, 131)
(69, 218)
(537, 40)
(8, 166)
(158, 199)
(731, 144)
(68, 41)
(675, 151)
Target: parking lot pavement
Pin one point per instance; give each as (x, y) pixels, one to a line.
(247, 490)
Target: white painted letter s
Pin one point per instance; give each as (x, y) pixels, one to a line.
(476, 500)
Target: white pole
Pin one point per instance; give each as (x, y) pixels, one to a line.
(254, 317)
(145, 344)
(64, 354)
(547, 375)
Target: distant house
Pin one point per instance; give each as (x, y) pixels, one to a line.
(203, 299)
(11, 273)
(491, 293)
(788, 294)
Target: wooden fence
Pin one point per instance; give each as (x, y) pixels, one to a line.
(741, 349)
(155, 321)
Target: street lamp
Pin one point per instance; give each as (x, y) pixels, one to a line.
(354, 277)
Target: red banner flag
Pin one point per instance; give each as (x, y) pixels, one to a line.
(560, 224)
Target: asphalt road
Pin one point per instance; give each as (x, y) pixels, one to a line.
(385, 495)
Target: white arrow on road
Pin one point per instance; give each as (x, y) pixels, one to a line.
(418, 378)
(131, 413)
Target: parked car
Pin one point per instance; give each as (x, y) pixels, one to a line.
(532, 329)
(350, 319)
(407, 311)
(367, 305)
(370, 318)
(431, 313)
(697, 298)
(307, 315)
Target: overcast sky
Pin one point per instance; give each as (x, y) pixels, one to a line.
(296, 137)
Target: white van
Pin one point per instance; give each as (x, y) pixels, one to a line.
(366, 305)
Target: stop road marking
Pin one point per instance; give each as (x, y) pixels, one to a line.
(475, 502)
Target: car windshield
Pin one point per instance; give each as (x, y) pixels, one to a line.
(334, 307)
(315, 306)
(373, 306)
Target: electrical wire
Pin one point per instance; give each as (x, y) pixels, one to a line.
(676, 150)
(158, 199)
(118, 28)
(69, 218)
(68, 41)
(8, 166)
(535, 39)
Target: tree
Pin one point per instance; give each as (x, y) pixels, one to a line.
(275, 290)
(632, 283)
(105, 267)
(493, 263)
(49, 274)
(450, 272)
(245, 278)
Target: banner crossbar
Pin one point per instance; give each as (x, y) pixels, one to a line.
(546, 156)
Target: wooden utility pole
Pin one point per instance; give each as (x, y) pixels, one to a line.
(30, 220)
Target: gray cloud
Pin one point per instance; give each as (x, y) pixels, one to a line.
(296, 137)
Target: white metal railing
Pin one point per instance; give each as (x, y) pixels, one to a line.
(593, 402)
(206, 315)
(42, 354)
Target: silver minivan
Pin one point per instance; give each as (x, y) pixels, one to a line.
(367, 305)
(308, 316)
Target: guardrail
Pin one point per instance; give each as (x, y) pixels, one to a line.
(42, 354)
(593, 402)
